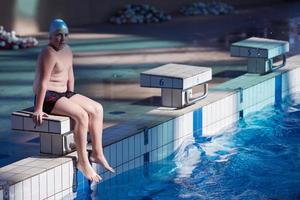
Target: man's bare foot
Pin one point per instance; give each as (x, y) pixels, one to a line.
(100, 159)
(88, 172)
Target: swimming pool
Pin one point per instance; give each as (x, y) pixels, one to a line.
(258, 158)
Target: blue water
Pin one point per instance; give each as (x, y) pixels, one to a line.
(258, 158)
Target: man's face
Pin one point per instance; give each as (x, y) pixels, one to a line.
(59, 38)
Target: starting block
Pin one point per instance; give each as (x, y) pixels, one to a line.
(176, 82)
(56, 136)
(260, 53)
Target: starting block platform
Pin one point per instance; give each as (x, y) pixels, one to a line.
(56, 136)
(176, 82)
(260, 53)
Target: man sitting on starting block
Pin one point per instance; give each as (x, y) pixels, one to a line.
(54, 94)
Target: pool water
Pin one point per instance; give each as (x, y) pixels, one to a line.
(258, 158)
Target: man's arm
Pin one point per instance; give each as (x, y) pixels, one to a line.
(70, 80)
(70, 84)
(46, 64)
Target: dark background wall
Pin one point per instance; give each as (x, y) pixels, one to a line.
(32, 16)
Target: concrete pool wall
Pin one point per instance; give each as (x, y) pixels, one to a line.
(152, 137)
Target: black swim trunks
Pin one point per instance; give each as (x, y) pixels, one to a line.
(51, 98)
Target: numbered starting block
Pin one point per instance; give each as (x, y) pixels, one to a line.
(56, 136)
(176, 82)
(260, 53)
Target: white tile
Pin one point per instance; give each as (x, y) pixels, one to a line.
(154, 139)
(214, 109)
(147, 147)
(131, 165)
(113, 154)
(284, 82)
(50, 182)
(177, 144)
(181, 126)
(57, 179)
(257, 95)
(119, 169)
(131, 147)
(35, 191)
(165, 151)
(141, 160)
(26, 189)
(45, 143)
(119, 153)
(154, 155)
(160, 135)
(105, 176)
(65, 176)
(246, 98)
(43, 185)
(224, 107)
(235, 104)
(170, 148)
(72, 174)
(125, 150)
(209, 114)
(160, 153)
(125, 167)
(271, 87)
(204, 116)
(164, 133)
(170, 134)
(72, 195)
(137, 162)
(51, 198)
(263, 90)
(65, 195)
(137, 145)
(188, 123)
(176, 128)
(17, 122)
(19, 191)
(97, 168)
(142, 139)
(106, 151)
(58, 196)
(12, 192)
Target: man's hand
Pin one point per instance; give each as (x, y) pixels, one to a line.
(37, 117)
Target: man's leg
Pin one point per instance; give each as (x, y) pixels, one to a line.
(66, 107)
(95, 112)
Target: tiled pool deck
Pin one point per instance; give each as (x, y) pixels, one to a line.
(109, 74)
(160, 132)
